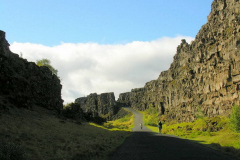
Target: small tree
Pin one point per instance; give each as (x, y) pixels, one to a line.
(199, 113)
(235, 118)
(47, 63)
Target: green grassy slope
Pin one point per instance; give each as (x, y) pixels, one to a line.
(38, 135)
(213, 132)
(125, 123)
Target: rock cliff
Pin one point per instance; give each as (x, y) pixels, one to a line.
(24, 84)
(204, 75)
(103, 105)
(124, 99)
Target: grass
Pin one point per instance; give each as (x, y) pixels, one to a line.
(150, 116)
(38, 135)
(125, 123)
(214, 132)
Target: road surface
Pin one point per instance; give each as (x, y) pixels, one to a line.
(146, 145)
(138, 119)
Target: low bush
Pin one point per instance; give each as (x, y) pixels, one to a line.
(72, 111)
(235, 119)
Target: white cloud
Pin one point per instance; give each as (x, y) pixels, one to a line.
(90, 67)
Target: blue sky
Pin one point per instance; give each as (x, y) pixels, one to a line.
(50, 22)
(102, 46)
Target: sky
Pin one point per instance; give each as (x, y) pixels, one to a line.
(102, 46)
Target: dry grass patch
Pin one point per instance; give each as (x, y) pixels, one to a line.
(39, 135)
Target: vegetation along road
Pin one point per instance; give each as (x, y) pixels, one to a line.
(144, 144)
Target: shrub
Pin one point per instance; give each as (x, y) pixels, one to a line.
(47, 63)
(200, 124)
(235, 118)
(200, 113)
(73, 111)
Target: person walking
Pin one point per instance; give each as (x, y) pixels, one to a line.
(160, 127)
(141, 125)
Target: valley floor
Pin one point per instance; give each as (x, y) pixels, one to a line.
(217, 136)
(144, 144)
(39, 134)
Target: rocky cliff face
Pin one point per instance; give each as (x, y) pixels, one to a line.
(205, 75)
(24, 84)
(124, 99)
(103, 105)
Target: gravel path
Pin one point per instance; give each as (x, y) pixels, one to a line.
(146, 145)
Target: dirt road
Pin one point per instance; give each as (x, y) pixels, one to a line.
(146, 145)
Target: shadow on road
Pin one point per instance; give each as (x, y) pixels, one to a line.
(152, 146)
(228, 150)
(146, 145)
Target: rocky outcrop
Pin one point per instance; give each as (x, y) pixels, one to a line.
(73, 111)
(103, 105)
(205, 74)
(124, 99)
(24, 84)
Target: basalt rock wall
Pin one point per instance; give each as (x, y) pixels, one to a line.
(103, 105)
(24, 84)
(204, 75)
(124, 99)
